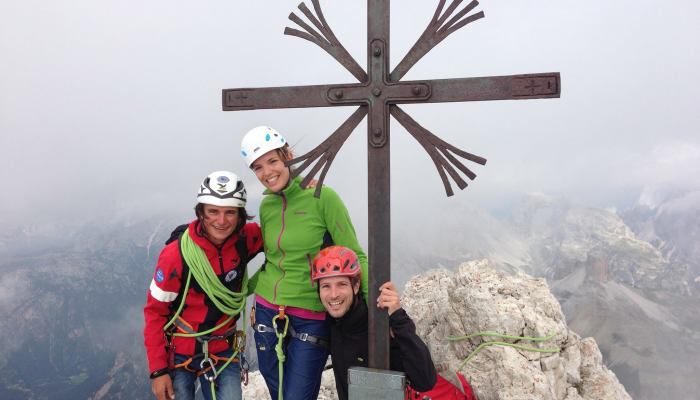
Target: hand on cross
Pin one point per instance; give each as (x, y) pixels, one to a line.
(389, 298)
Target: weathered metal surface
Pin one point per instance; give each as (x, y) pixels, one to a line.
(375, 384)
(378, 179)
(326, 151)
(508, 87)
(377, 95)
(325, 39)
(436, 31)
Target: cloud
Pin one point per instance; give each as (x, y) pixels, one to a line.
(100, 116)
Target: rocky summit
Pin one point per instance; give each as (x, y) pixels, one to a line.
(478, 298)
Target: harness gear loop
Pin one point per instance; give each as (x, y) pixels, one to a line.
(281, 313)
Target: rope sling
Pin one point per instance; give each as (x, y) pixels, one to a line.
(281, 357)
(228, 302)
(501, 343)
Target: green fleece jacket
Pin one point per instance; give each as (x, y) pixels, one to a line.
(294, 223)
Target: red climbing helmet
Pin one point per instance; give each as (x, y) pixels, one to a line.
(335, 261)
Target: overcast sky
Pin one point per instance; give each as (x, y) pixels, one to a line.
(115, 106)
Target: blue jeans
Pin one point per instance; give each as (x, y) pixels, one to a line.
(228, 383)
(304, 362)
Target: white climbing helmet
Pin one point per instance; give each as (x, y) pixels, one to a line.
(259, 141)
(222, 188)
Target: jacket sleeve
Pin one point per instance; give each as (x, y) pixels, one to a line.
(164, 288)
(413, 354)
(342, 231)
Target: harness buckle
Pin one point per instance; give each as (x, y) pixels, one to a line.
(303, 337)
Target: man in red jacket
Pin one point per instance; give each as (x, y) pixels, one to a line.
(197, 291)
(337, 272)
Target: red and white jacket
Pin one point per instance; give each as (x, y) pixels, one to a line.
(162, 300)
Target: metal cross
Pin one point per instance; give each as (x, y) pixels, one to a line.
(377, 95)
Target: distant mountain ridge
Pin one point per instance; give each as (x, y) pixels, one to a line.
(71, 320)
(71, 295)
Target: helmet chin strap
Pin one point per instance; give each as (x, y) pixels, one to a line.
(355, 298)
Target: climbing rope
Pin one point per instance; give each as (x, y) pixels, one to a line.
(501, 343)
(228, 302)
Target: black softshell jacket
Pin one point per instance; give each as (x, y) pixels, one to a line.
(408, 353)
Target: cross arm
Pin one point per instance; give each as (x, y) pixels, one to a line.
(509, 87)
(278, 97)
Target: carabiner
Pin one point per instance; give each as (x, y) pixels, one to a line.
(205, 372)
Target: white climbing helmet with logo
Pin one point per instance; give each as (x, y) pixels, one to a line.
(222, 188)
(259, 141)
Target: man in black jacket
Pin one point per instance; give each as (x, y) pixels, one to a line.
(337, 272)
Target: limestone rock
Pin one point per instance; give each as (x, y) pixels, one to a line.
(478, 298)
(256, 388)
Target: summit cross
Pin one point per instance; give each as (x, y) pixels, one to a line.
(378, 95)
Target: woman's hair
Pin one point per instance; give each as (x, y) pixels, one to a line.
(243, 216)
(285, 152)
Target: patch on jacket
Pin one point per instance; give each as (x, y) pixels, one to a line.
(160, 276)
(231, 275)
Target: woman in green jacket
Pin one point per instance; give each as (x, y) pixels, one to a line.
(295, 227)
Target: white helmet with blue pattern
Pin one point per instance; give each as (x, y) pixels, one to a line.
(222, 188)
(259, 141)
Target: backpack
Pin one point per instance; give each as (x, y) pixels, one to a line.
(444, 390)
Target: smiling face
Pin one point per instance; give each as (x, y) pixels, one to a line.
(219, 222)
(271, 171)
(337, 293)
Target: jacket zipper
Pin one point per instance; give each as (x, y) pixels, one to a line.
(221, 261)
(279, 247)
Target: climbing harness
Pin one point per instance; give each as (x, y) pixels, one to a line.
(303, 336)
(226, 301)
(287, 330)
(501, 343)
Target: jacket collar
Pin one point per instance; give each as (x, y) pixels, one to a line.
(197, 236)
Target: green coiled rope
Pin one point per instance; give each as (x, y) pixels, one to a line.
(506, 344)
(227, 301)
